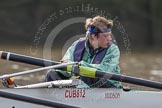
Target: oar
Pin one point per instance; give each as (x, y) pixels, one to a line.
(84, 71)
(58, 66)
(33, 100)
(93, 73)
(26, 59)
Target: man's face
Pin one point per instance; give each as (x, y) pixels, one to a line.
(104, 39)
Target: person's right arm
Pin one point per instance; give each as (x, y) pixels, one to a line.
(69, 53)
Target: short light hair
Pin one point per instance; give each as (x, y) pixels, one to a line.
(98, 22)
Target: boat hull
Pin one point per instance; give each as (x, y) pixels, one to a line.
(89, 98)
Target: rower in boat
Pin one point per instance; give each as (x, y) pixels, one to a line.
(96, 50)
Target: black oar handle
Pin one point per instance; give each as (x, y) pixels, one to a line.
(27, 59)
(38, 101)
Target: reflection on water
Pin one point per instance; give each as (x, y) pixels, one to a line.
(144, 65)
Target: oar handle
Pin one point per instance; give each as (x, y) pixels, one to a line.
(26, 59)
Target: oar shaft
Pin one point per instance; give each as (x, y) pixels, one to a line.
(129, 79)
(93, 73)
(26, 59)
(33, 100)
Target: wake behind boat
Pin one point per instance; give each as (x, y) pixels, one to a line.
(72, 97)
